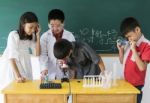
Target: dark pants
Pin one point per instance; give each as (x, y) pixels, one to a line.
(139, 96)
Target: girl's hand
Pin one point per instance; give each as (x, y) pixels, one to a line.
(20, 79)
(38, 30)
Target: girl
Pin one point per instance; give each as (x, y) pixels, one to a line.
(15, 63)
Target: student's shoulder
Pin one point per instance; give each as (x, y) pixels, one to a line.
(80, 44)
(68, 35)
(14, 34)
(68, 32)
(147, 45)
(46, 33)
(146, 42)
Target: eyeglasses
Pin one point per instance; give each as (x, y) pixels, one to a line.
(61, 26)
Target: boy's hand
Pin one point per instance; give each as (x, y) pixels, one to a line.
(133, 45)
(62, 64)
(102, 72)
(43, 73)
(120, 47)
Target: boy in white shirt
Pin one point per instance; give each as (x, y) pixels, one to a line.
(48, 62)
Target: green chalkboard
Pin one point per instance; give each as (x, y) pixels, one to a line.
(93, 21)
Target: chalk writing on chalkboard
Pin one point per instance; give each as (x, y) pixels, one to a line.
(100, 40)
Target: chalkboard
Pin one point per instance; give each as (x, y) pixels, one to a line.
(93, 21)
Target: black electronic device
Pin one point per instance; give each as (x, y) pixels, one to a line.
(64, 80)
(65, 76)
(50, 85)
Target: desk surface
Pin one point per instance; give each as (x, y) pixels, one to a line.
(122, 87)
(32, 87)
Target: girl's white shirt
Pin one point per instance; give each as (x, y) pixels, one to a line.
(19, 50)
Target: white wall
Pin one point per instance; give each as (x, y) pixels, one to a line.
(146, 89)
(36, 67)
(109, 65)
(108, 61)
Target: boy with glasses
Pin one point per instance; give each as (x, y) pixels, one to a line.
(48, 62)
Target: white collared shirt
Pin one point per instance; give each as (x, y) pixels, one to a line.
(47, 58)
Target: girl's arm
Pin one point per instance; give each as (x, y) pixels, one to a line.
(18, 76)
(38, 48)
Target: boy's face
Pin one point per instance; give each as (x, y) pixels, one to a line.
(65, 60)
(56, 26)
(133, 35)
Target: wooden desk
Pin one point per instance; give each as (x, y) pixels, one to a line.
(29, 92)
(122, 93)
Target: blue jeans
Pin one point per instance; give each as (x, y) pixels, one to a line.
(139, 96)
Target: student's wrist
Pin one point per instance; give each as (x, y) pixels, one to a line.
(44, 72)
(120, 49)
(18, 75)
(134, 53)
(133, 50)
(121, 52)
(38, 36)
(21, 79)
(102, 72)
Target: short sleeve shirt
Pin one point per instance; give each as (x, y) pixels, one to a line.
(132, 73)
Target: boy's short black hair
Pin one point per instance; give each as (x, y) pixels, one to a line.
(128, 24)
(62, 48)
(56, 14)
